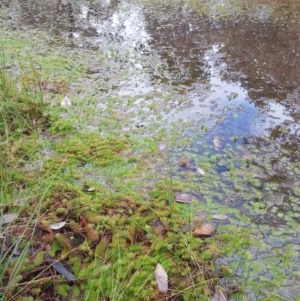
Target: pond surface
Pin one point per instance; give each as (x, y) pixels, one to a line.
(223, 73)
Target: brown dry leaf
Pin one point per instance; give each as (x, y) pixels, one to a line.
(161, 278)
(183, 198)
(205, 231)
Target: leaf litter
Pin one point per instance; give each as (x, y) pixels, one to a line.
(217, 142)
(183, 198)
(161, 278)
(57, 226)
(200, 171)
(8, 218)
(220, 294)
(66, 102)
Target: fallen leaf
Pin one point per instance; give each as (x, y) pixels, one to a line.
(7, 218)
(88, 188)
(57, 226)
(66, 102)
(205, 231)
(162, 147)
(220, 294)
(201, 171)
(220, 216)
(157, 226)
(59, 268)
(183, 198)
(161, 278)
(217, 143)
(91, 189)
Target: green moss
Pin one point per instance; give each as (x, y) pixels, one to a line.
(39, 258)
(62, 289)
(62, 126)
(64, 243)
(255, 182)
(91, 147)
(297, 191)
(76, 265)
(27, 299)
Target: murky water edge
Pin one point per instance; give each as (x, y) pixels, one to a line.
(229, 81)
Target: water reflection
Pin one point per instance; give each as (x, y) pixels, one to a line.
(262, 57)
(258, 61)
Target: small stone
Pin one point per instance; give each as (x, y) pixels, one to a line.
(205, 231)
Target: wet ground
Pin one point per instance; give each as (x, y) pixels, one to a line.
(225, 74)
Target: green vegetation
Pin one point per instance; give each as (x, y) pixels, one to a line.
(108, 168)
(112, 238)
(282, 12)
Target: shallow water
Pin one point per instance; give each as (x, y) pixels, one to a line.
(225, 71)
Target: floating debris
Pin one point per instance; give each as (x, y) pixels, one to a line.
(220, 216)
(232, 95)
(200, 171)
(217, 143)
